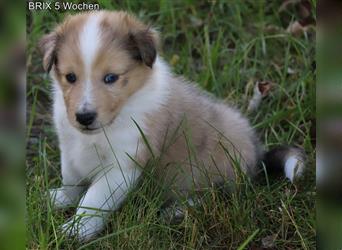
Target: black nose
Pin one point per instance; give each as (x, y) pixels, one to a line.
(86, 118)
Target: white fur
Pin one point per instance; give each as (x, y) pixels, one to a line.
(90, 41)
(101, 159)
(294, 167)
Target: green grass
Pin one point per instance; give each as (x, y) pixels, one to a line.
(221, 45)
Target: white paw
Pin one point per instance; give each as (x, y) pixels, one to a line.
(59, 199)
(83, 227)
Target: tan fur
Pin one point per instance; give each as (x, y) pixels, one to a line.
(193, 121)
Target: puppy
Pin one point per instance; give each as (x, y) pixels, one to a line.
(116, 105)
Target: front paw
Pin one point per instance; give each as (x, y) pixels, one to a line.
(83, 227)
(59, 199)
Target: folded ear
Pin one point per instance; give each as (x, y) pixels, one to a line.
(142, 45)
(47, 46)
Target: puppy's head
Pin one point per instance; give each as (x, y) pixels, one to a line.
(99, 59)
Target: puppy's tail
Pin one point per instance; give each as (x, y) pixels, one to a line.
(284, 160)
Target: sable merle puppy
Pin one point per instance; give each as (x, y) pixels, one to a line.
(110, 87)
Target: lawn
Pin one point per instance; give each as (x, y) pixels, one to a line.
(225, 47)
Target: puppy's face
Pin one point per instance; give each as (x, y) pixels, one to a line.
(99, 60)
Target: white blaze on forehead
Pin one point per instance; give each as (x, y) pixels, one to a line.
(90, 40)
(89, 44)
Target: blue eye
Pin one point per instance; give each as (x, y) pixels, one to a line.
(110, 78)
(71, 77)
